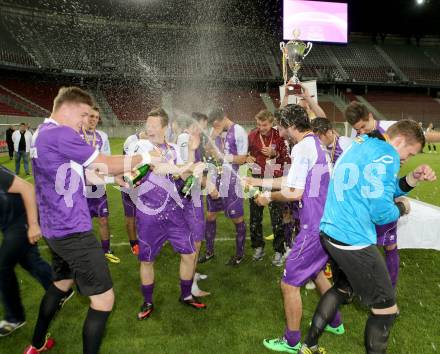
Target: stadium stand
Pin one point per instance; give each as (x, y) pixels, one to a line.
(20, 103)
(333, 113)
(137, 59)
(362, 62)
(130, 47)
(10, 51)
(131, 103)
(320, 64)
(41, 93)
(242, 106)
(413, 61)
(397, 106)
(7, 110)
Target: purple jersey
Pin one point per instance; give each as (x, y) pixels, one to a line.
(338, 150)
(235, 143)
(307, 257)
(96, 196)
(342, 144)
(314, 196)
(58, 157)
(193, 207)
(160, 215)
(158, 192)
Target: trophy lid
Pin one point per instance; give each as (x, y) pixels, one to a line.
(296, 33)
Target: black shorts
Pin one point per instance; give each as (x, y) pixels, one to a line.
(79, 257)
(361, 272)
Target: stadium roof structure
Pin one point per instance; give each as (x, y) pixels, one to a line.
(215, 41)
(402, 17)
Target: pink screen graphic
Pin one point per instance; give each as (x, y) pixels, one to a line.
(318, 21)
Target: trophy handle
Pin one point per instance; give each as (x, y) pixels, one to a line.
(282, 46)
(308, 49)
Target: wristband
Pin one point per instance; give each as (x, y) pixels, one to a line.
(410, 180)
(404, 185)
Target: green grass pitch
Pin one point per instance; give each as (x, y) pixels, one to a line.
(245, 306)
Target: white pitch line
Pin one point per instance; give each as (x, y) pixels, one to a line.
(120, 244)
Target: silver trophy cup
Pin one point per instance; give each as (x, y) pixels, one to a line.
(294, 53)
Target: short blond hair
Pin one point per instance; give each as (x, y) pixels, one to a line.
(161, 113)
(265, 115)
(72, 94)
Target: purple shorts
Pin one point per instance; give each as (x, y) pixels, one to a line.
(129, 206)
(98, 207)
(195, 218)
(386, 234)
(293, 209)
(306, 259)
(154, 230)
(214, 205)
(231, 199)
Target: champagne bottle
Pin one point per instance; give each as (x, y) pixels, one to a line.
(189, 183)
(136, 175)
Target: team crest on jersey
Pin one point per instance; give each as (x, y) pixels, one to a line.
(358, 140)
(388, 159)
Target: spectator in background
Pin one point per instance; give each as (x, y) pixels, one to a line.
(22, 143)
(267, 156)
(431, 146)
(9, 141)
(30, 129)
(21, 231)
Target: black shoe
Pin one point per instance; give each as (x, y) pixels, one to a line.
(146, 311)
(193, 302)
(234, 261)
(66, 298)
(205, 258)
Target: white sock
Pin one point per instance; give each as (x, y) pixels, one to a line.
(195, 288)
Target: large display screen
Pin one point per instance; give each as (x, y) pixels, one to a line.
(318, 21)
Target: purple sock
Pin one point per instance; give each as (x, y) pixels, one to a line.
(105, 244)
(240, 239)
(288, 234)
(292, 337)
(133, 242)
(336, 322)
(147, 292)
(185, 288)
(392, 260)
(211, 229)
